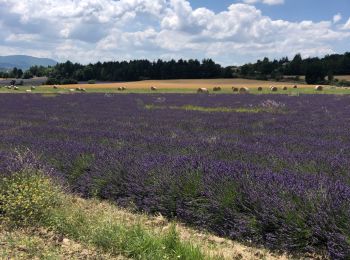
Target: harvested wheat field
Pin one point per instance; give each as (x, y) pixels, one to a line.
(344, 77)
(224, 86)
(187, 84)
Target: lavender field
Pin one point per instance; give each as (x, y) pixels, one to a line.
(272, 170)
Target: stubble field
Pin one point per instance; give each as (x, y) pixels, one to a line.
(185, 86)
(345, 77)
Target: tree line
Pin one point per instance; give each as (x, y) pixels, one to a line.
(316, 70)
(69, 72)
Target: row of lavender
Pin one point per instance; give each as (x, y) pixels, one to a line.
(279, 178)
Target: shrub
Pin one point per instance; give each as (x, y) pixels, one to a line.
(343, 83)
(68, 81)
(52, 81)
(315, 74)
(26, 197)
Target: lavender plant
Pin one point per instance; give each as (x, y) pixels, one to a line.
(277, 179)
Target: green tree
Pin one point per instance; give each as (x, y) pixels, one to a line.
(296, 65)
(27, 75)
(330, 75)
(19, 73)
(315, 73)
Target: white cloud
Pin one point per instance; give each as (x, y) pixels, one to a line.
(346, 26)
(22, 38)
(268, 2)
(337, 18)
(90, 30)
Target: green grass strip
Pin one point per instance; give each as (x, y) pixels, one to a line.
(253, 110)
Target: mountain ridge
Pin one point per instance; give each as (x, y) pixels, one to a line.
(24, 62)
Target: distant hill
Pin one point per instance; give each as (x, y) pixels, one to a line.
(23, 62)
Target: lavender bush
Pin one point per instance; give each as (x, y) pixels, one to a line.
(279, 178)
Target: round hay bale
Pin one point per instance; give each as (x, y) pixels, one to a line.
(153, 88)
(123, 88)
(71, 90)
(33, 88)
(235, 89)
(295, 86)
(16, 88)
(318, 88)
(243, 90)
(83, 89)
(285, 88)
(120, 89)
(260, 89)
(273, 89)
(28, 91)
(217, 89)
(55, 87)
(203, 90)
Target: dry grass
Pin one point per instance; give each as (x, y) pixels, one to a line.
(192, 84)
(43, 244)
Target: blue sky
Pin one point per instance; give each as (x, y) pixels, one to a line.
(294, 10)
(291, 10)
(231, 32)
